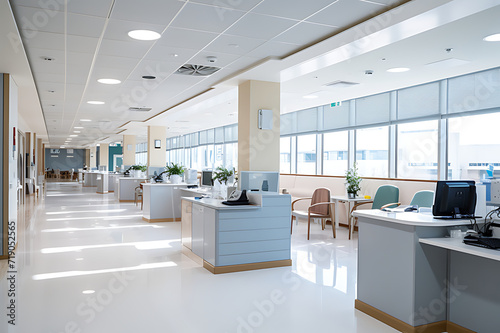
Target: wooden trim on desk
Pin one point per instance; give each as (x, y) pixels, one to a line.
(173, 219)
(127, 200)
(102, 192)
(437, 327)
(246, 267)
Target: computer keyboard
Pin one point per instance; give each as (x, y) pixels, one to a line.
(489, 243)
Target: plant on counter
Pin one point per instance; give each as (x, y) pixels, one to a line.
(222, 175)
(352, 181)
(139, 167)
(175, 169)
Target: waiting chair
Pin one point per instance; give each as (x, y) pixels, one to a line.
(138, 194)
(423, 199)
(320, 208)
(385, 197)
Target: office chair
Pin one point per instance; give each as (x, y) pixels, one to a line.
(423, 199)
(385, 197)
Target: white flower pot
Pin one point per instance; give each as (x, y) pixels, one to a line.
(175, 179)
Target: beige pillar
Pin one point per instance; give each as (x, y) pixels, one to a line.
(129, 145)
(104, 155)
(39, 159)
(157, 153)
(93, 157)
(258, 149)
(87, 157)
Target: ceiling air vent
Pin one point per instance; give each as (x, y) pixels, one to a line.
(196, 70)
(341, 84)
(136, 108)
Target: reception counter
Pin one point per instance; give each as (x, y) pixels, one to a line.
(90, 179)
(415, 279)
(162, 202)
(228, 239)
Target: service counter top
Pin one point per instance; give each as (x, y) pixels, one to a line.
(409, 218)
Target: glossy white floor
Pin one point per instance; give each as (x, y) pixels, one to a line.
(79, 241)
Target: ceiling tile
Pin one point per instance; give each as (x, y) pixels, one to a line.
(298, 11)
(124, 49)
(242, 63)
(260, 26)
(49, 8)
(234, 44)
(42, 40)
(187, 39)
(170, 54)
(140, 11)
(305, 33)
(121, 62)
(81, 44)
(118, 29)
(230, 4)
(206, 18)
(222, 59)
(345, 13)
(275, 49)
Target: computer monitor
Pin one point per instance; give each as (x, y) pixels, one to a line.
(206, 178)
(254, 180)
(455, 199)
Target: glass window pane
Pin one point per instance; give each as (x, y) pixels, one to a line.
(306, 154)
(372, 151)
(335, 153)
(474, 92)
(203, 137)
(473, 143)
(373, 109)
(219, 156)
(307, 120)
(194, 139)
(288, 123)
(285, 155)
(219, 135)
(336, 117)
(418, 150)
(195, 162)
(418, 101)
(210, 135)
(231, 155)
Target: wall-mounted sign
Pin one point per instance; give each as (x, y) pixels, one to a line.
(157, 143)
(69, 151)
(335, 104)
(55, 151)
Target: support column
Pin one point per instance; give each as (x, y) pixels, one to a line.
(87, 157)
(93, 157)
(157, 153)
(129, 145)
(104, 156)
(258, 149)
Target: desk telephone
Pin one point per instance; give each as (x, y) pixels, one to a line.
(237, 198)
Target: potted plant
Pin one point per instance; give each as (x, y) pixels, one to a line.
(175, 171)
(137, 170)
(223, 175)
(353, 180)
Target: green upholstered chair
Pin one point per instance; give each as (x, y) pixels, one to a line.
(423, 199)
(385, 197)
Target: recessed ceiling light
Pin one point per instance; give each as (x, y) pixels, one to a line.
(149, 77)
(85, 120)
(73, 135)
(69, 139)
(76, 132)
(310, 96)
(174, 55)
(398, 70)
(233, 45)
(78, 127)
(95, 102)
(109, 81)
(88, 292)
(492, 38)
(144, 35)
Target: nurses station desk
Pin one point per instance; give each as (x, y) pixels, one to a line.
(415, 279)
(228, 239)
(162, 202)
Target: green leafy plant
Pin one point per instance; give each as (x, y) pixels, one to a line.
(175, 169)
(222, 174)
(138, 167)
(353, 180)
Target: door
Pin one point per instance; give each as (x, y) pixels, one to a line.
(117, 162)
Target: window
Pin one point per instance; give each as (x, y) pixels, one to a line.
(418, 150)
(335, 153)
(473, 144)
(372, 151)
(306, 154)
(285, 155)
(231, 155)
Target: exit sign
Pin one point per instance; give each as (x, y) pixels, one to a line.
(335, 104)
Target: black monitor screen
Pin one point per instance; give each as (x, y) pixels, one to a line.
(206, 178)
(455, 199)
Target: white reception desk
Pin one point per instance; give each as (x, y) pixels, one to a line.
(415, 279)
(125, 188)
(238, 238)
(162, 202)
